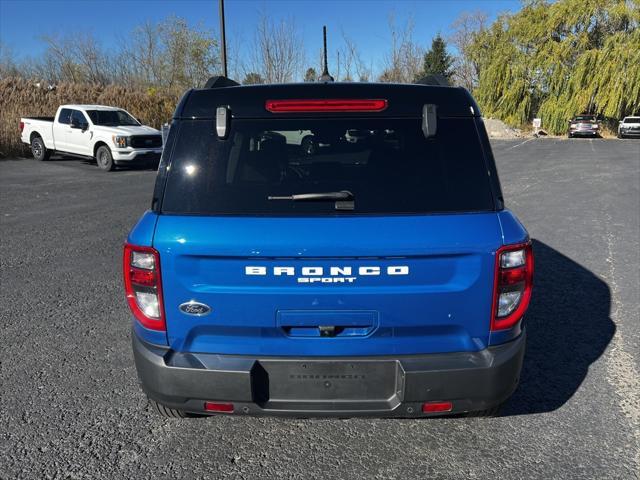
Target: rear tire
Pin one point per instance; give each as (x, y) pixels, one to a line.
(39, 151)
(168, 412)
(104, 159)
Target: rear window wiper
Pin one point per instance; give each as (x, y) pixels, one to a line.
(344, 199)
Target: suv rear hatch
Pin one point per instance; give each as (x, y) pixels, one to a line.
(406, 268)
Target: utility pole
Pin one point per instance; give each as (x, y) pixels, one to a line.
(223, 46)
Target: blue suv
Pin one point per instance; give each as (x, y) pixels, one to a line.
(328, 250)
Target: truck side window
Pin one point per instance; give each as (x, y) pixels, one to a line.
(65, 116)
(78, 117)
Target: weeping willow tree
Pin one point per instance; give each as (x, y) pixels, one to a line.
(554, 60)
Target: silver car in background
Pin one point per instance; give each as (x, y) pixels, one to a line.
(629, 127)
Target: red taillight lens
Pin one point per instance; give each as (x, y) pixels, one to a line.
(433, 407)
(333, 105)
(143, 288)
(218, 407)
(21, 126)
(513, 285)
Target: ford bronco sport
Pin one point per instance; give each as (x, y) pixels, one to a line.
(328, 249)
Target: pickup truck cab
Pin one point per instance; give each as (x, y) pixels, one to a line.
(629, 127)
(328, 249)
(109, 135)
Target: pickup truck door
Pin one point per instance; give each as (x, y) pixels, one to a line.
(62, 130)
(79, 135)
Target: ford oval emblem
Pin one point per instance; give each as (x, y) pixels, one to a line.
(195, 308)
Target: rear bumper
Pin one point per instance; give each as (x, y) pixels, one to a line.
(629, 133)
(587, 132)
(344, 386)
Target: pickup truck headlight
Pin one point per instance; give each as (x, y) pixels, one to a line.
(120, 141)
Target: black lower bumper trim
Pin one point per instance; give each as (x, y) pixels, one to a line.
(343, 386)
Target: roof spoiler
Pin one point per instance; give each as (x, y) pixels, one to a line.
(435, 80)
(219, 81)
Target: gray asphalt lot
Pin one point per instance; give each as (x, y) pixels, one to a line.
(70, 406)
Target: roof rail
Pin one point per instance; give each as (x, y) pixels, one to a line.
(218, 81)
(434, 79)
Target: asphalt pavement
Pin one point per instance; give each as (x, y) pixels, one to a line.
(70, 405)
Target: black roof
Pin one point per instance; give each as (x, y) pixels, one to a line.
(404, 100)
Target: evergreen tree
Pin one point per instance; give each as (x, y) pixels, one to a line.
(252, 78)
(310, 75)
(436, 60)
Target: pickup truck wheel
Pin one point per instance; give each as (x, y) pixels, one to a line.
(168, 412)
(38, 149)
(104, 159)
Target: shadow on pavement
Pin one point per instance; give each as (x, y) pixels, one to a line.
(87, 161)
(568, 328)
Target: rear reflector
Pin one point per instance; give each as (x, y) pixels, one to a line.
(218, 407)
(432, 407)
(333, 105)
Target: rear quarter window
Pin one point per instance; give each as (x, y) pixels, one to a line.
(386, 163)
(65, 116)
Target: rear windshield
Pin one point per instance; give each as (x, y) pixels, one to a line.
(386, 164)
(632, 120)
(588, 118)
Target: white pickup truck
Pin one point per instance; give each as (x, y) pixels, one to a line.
(109, 135)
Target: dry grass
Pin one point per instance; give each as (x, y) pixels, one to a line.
(22, 98)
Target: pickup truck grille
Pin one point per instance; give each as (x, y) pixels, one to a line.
(146, 141)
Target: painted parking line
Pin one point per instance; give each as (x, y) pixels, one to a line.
(521, 143)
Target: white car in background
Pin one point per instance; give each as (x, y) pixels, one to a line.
(110, 135)
(629, 127)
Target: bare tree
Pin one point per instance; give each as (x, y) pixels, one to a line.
(8, 65)
(278, 52)
(235, 63)
(464, 29)
(404, 60)
(170, 54)
(141, 56)
(354, 67)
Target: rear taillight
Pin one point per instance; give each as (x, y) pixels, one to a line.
(513, 284)
(328, 105)
(142, 285)
(21, 126)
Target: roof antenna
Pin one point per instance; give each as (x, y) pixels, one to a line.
(325, 77)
